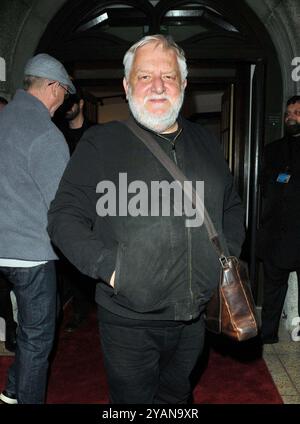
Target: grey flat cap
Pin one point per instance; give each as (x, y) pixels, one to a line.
(45, 66)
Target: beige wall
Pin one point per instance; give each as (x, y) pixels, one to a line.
(111, 112)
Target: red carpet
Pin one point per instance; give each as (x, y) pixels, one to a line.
(77, 374)
(226, 381)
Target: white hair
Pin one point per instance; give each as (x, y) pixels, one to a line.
(167, 43)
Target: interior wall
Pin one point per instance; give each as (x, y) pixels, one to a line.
(202, 101)
(112, 112)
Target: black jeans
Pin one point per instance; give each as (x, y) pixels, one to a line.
(150, 362)
(275, 289)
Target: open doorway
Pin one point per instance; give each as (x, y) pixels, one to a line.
(229, 54)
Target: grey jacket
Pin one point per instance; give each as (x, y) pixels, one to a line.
(33, 156)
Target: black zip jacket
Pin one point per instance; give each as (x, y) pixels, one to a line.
(164, 270)
(279, 234)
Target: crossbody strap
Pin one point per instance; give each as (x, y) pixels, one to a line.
(180, 178)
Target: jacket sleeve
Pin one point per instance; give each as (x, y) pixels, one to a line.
(72, 215)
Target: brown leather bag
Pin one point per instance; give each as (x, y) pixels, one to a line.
(231, 310)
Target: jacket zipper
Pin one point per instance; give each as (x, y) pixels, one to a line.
(174, 153)
(189, 241)
(189, 236)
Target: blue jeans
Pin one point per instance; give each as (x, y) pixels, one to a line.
(150, 362)
(35, 291)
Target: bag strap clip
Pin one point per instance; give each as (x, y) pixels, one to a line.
(224, 261)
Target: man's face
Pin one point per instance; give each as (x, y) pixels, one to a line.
(73, 112)
(155, 91)
(2, 106)
(292, 119)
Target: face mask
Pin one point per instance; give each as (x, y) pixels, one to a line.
(292, 127)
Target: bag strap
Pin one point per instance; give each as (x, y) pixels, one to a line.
(180, 178)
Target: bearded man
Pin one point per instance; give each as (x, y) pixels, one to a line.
(155, 274)
(279, 233)
(75, 122)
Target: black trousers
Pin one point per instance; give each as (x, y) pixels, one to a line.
(150, 362)
(274, 292)
(73, 284)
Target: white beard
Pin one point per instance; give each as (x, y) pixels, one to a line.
(149, 120)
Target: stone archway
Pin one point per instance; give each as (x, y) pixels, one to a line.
(281, 20)
(23, 24)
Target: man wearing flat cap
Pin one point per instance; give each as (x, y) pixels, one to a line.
(33, 156)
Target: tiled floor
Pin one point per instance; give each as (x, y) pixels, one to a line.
(283, 361)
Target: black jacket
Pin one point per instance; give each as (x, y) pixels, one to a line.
(279, 233)
(163, 269)
(73, 136)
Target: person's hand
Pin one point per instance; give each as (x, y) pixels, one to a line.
(112, 279)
